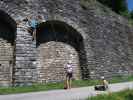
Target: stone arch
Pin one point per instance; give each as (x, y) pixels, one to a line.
(75, 25)
(56, 38)
(7, 45)
(9, 26)
(4, 7)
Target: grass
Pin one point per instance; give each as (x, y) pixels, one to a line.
(53, 86)
(119, 79)
(123, 95)
(33, 88)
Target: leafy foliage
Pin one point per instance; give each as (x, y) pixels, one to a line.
(116, 5)
(120, 7)
(131, 14)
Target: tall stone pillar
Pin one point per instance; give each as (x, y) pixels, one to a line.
(25, 69)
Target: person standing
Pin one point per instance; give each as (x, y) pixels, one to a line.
(104, 83)
(69, 74)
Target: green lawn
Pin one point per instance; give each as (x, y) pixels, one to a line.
(53, 86)
(123, 95)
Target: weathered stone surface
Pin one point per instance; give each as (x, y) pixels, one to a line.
(6, 63)
(101, 41)
(52, 60)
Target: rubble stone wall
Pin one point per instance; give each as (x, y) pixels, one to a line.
(105, 38)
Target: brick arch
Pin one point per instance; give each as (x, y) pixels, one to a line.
(7, 45)
(65, 39)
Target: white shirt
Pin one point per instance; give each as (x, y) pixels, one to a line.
(69, 68)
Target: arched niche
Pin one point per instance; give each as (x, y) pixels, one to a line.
(7, 45)
(57, 44)
(8, 27)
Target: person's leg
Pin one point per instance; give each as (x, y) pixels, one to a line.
(30, 30)
(70, 81)
(34, 34)
(67, 82)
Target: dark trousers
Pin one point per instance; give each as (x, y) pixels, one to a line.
(100, 87)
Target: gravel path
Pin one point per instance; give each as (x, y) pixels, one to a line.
(72, 94)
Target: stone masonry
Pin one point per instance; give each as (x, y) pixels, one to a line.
(97, 41)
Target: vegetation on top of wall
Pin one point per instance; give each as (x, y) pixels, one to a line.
(118, 6)
(131, 14)
(131, 17)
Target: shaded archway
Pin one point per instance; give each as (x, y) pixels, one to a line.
(7, 37)
(59, 43)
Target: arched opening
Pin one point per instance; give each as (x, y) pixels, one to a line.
(57, 44)
(7, 37)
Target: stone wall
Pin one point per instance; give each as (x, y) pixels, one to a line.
(7, 36)
(102, 39)
(6, 63)
(25, 70)
(52, 60)
(105, 35)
